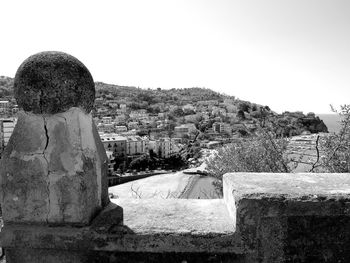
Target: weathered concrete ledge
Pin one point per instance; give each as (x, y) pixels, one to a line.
(157, 226)
(285, 217)
(262, 218)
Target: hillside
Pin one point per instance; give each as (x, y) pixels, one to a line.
(6, 86)
(143, 97)
(200, 106)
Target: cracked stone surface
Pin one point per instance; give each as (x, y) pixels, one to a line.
(54, 170)
(52, 82)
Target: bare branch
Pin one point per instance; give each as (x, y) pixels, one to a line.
(318, 155)
(135, 191)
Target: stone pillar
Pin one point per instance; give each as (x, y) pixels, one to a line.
(53, 171)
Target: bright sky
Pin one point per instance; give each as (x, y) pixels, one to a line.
(288, 54)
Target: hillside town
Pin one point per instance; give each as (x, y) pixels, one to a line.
(166, 129)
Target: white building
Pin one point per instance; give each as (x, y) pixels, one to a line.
(106, 120)
(221, 127)
(4, 106)
(123, 107)
(115, 143)
(181, 131)
(164, 147)
(139, 114)
(7, 126)
(121, 129)
(136, 145)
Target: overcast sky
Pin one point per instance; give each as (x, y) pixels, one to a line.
(288, 54)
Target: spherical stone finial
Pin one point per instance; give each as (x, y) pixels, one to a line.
(51, 82)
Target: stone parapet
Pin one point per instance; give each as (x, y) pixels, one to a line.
(154, 226)
(286, 217)
(278, 218)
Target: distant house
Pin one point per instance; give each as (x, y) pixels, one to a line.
(139, 114)
(188, 107)
(120, 129)
(162, 115)
(110, 161)
(123, 107)
(181, 131)
(221, 127)
(106, 127)
(114, 143)
(4, 106)
(133, 125)
(136, 145)
(106, 120)
(6, 129)
(98, 101)
(164, 147)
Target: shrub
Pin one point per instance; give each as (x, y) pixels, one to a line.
(336, 147)
(261, 153)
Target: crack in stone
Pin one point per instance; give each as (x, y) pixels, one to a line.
(48, 169)
(46, 133)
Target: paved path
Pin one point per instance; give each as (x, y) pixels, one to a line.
(200, 187)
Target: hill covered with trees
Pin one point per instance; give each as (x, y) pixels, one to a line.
(200, 106)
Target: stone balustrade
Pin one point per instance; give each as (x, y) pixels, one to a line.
(55, 204)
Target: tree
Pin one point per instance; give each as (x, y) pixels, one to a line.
(240, 115)
(178, 112)
(260, 153)
(244, 106)
(336, 147)
(175, 162)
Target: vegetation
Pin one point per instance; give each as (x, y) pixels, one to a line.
(263, 152)
(336, 147)
(150, 161)
(6, 86)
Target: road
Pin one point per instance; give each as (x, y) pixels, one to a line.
(200, 187)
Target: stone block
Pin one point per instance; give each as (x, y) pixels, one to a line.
(291, 217)
(54, 170)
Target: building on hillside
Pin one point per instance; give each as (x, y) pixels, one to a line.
(164, 147)
(120, 129)
(191, 117)
(113, 104)
(111, 162)
(191, 127)
(181, 131)
(115, 143)
(218, 111)
(229, 101)
(129, 133)
(188, 107)
(221, 127)
(123, 107)
(98, 101)
(139, 114)
(120, 119)
(162, 115)
(106, 128)
(102, 110)
(231, 115)
(136, 145)
(7, 127)
(106, 120)
(133, 125)
(4, 106)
